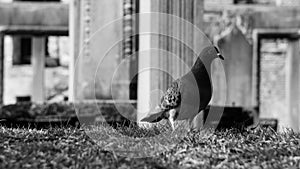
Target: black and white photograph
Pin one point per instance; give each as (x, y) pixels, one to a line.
(150, 84)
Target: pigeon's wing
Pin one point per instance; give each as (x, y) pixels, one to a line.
(170, 100)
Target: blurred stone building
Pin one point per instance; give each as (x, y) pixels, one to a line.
(18, 56)
(258, 38)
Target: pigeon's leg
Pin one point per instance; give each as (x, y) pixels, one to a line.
(191, 124)
(172, 116)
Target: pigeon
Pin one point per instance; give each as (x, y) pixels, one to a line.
(189, 94)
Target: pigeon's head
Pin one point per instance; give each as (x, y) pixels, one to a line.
(211, 53)
(206, 57)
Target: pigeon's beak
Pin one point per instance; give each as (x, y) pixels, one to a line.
(220, 56)
(218, 53)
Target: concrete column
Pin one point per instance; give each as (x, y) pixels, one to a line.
(74, 34)
(176, 43)
(144, 79)
(292, 84)
(198, 13)
(198, 41)
(154, 46)
(1, 67)
(38, 65)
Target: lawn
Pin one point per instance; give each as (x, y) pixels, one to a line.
(75, 148)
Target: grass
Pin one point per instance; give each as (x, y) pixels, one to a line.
(101, 147)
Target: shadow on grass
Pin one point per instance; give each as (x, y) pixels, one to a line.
(134, 140)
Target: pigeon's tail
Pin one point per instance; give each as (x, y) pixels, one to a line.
(155, 115)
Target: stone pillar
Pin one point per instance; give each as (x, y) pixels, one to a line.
(74, 34)
(38, 65)
(96, 33)
(1, 67)
(145, 59)
(167, 42)
(292, 85)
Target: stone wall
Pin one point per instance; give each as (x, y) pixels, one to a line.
(273, 79)
(98, 44)
(262, 2)
(218, 19)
